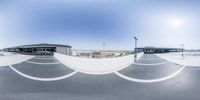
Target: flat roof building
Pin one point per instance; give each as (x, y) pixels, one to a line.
(41, 49)
(151, 50)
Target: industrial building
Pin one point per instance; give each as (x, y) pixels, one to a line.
(41, 49)
(151, 50)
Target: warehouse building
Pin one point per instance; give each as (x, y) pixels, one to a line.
(41, 49)
(151, 50)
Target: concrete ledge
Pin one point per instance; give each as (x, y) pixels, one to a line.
(96, 66)
(192, 61)
(13, 59)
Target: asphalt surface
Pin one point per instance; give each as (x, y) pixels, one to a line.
(183, 86)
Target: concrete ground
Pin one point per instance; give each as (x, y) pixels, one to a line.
(183, 86)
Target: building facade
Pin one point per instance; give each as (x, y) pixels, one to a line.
(41, 49)
(152, 50)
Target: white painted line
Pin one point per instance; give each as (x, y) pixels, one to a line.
(42, 58)
(152, 64)
(149, 80)
(42, 63)
(43, 79)
(151, 59)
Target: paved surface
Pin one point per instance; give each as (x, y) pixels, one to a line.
(184, 86)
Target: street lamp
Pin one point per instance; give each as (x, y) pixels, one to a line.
(104, 46)
(135, 56)
(182, 49)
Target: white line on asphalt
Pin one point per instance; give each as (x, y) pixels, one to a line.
(150, 80)
(43, 79)
(151, 59)
(152, 64)
(42, 58)
(42, 63)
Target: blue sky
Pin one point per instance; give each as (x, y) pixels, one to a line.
(86, 24)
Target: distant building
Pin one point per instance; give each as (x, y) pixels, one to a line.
(100, 54)
(41, 49)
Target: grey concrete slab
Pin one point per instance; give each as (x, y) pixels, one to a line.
(150, 71)
(44, 71)
(151, 61)
(46, 60)
(184, 86)
(149, 56)
(100, 87)
(44, 56)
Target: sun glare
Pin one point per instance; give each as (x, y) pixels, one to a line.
(176, 23)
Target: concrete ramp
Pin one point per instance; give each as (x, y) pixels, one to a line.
(96, 66)
(13, 59)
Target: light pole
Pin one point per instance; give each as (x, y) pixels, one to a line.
(104, 46)
(135, 56)
(182, 49)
